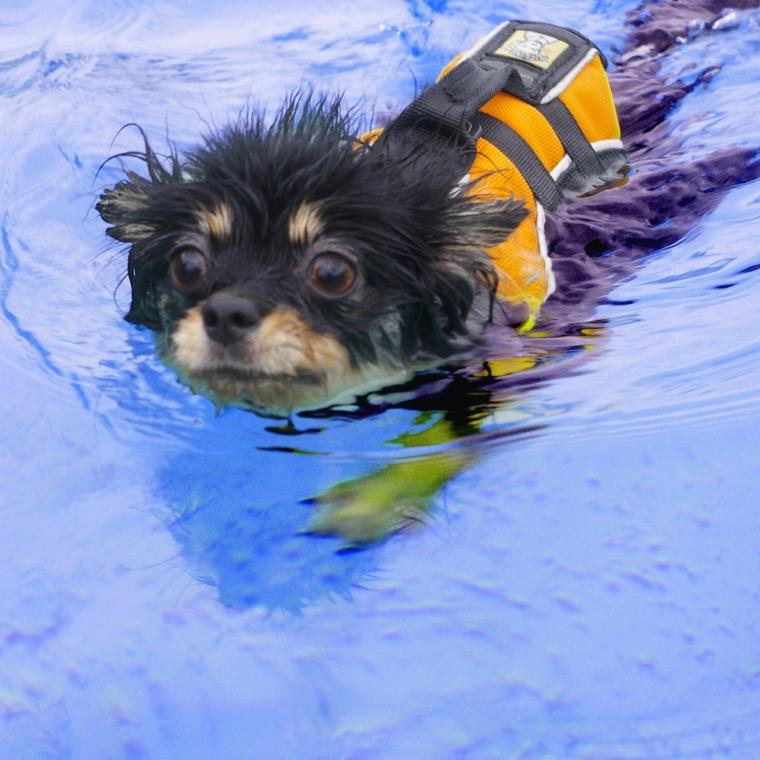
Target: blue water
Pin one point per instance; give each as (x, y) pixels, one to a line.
(588, 588)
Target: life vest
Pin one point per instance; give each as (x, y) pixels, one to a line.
(534, 103)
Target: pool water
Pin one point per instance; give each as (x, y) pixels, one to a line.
(586, 585)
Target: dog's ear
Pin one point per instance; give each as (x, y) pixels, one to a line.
(123, 206)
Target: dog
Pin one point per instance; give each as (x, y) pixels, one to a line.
(286, 264)
(281, 266)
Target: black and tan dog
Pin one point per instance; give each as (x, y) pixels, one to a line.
(283, 264)
(286, 263)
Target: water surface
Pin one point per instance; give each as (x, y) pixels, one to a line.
(587, 587)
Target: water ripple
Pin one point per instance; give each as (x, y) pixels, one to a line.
(570, 595)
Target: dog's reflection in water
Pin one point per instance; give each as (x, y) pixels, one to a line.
(246, 519)
(246, 511)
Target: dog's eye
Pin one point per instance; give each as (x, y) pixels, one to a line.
(188, 270)
(332, 274)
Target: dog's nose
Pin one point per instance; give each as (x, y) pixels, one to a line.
(228, 318)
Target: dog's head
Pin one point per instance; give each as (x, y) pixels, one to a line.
(284, 263)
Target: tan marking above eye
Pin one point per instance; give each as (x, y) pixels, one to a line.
(216, 223)
(305, 224)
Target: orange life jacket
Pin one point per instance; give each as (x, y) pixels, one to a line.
(535, 102)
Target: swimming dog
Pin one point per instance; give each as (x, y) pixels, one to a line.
(284, 263)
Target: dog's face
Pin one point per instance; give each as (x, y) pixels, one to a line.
(285, 264)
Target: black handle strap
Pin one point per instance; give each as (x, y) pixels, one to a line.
(526, 59)
(522, 156)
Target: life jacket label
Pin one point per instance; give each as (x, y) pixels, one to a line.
(535, 48)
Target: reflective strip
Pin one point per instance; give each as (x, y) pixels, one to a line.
(567, 80)
(561, 168)
(601, 145)
(517, 150)
(551, 282)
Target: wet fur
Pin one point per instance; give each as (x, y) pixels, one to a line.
(428, 282)
(421, 250)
